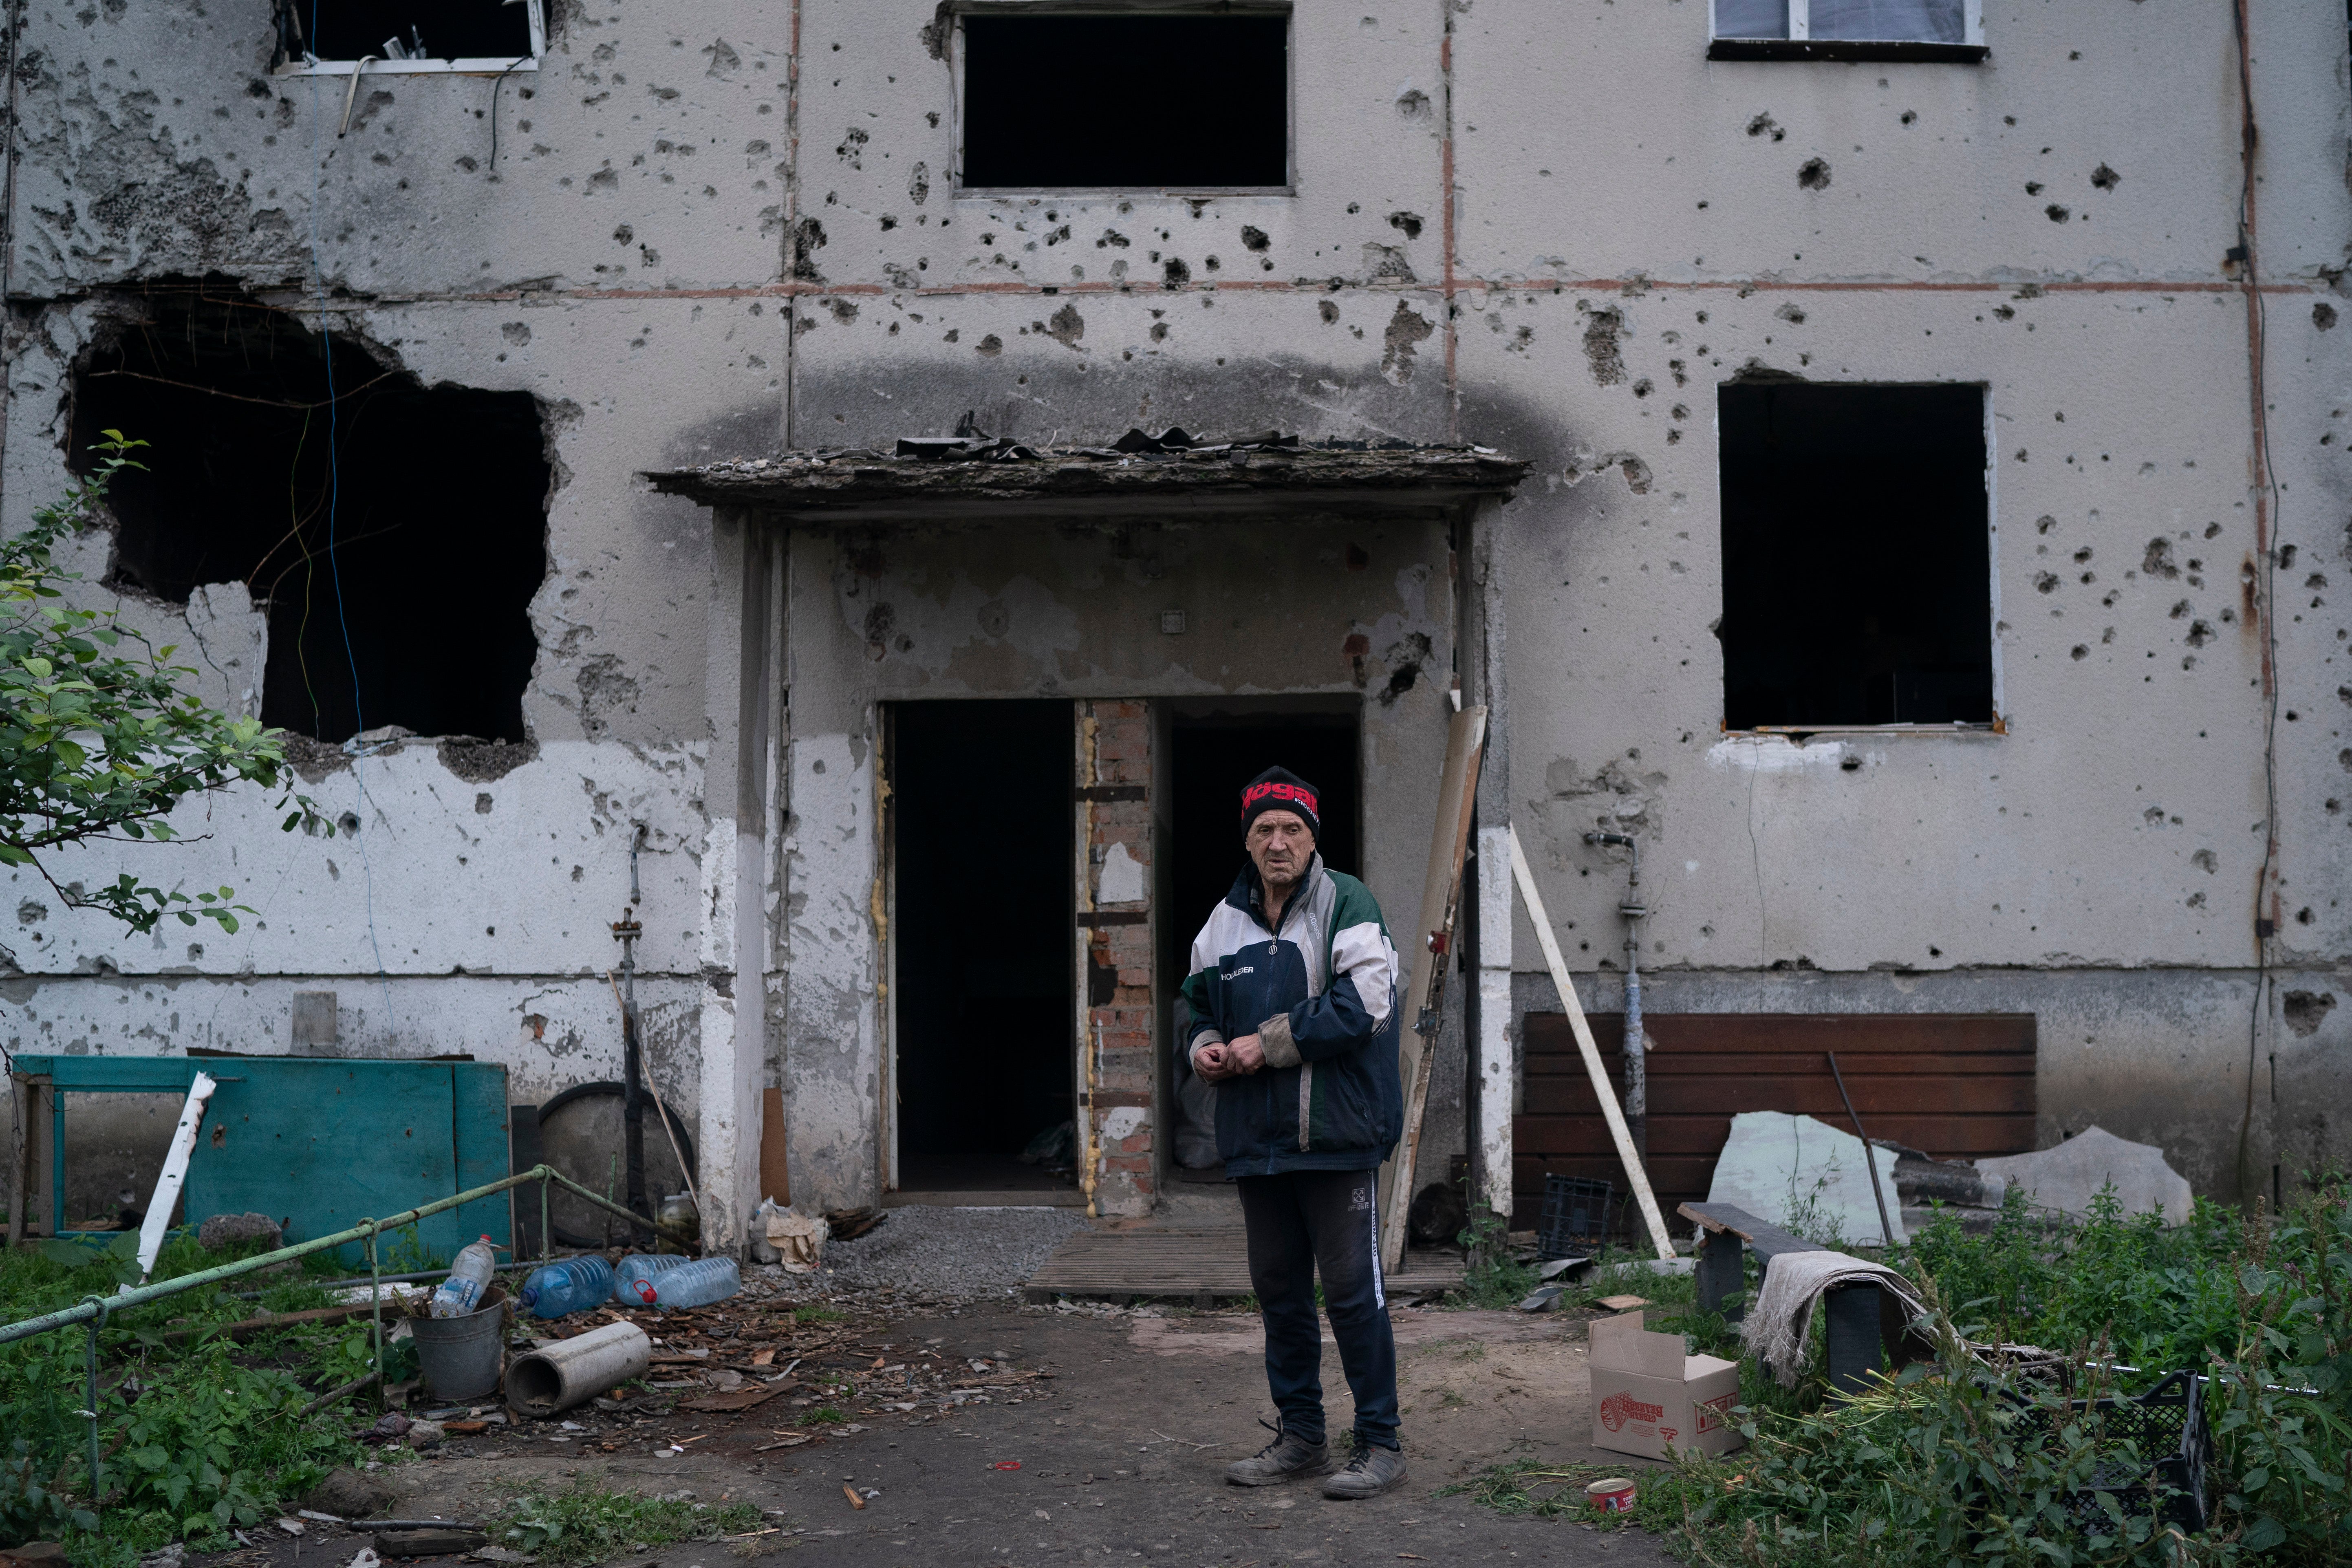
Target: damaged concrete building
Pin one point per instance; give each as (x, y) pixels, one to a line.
(1888, 461)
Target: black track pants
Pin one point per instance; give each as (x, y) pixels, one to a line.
(1299, 1222)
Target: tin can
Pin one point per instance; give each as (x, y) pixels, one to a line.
(1614, 1495)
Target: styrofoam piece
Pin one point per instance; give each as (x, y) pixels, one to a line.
(1804, 1175)
(2069, 1176)
(555, 1378)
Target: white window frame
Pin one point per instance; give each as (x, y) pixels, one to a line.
(310, 65)
(1801, 27)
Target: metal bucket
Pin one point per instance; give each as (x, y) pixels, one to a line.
(460, 1356)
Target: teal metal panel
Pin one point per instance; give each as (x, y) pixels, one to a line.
(323, 1143)
(484, 1150)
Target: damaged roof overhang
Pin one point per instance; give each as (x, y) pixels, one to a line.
(1255, 477)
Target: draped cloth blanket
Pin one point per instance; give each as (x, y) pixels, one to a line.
(1779, 1327)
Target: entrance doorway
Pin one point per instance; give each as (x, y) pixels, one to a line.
(981, 982)
(1214, 751)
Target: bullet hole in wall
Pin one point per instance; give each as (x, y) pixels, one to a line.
(430, 29)
(433, 501)
(1836, 612)
(1088, 101)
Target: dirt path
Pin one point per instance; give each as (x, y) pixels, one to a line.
(1105, 1442)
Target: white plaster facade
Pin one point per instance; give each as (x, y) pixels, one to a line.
(1574, 190)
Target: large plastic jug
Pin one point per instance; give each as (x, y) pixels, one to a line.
(632, 1271)
(469, 1276)
(696, 1284)
(571, 1286)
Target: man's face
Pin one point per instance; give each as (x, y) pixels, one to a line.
(1280, 846)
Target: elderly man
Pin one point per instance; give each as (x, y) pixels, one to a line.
(1293, 996)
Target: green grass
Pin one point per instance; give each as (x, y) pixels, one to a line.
(1952, 1462)
(824, 1414)
(804, 1316)
(586, 1523)
(199, 1435)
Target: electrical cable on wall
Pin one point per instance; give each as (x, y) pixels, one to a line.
(334, 570)
(2266, 563)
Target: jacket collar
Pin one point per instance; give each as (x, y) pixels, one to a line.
(1249, 889)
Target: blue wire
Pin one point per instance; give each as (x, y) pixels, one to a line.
(334, 497)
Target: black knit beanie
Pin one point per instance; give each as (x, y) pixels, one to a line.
(1279, 789)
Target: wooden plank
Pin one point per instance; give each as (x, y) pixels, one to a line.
(1549, 941)
(1428, 957)
(775, 1175)
(1784, 1033)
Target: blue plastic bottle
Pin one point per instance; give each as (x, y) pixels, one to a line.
(696, 1284)
(630, 1278)
(567, 1287)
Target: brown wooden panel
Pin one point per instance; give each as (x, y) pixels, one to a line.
(1945, 1137)
(1873, 1097)
(1955, 1085)
(1778, 1033)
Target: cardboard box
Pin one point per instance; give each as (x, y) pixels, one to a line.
(1647, 1395)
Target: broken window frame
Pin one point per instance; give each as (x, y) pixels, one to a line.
(1135, 8)
(1800, 45)
(310, 64)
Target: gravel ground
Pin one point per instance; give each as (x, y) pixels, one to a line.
(947, 1253)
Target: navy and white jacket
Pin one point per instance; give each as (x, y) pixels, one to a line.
(1320, 994)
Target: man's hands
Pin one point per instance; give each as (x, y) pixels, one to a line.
(1229, 1058)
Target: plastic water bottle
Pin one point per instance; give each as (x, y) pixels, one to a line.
(469, 1276)
(630, 1275)
(696, 1284)
(567, 1287)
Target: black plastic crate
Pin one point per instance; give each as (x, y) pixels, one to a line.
(2167, 1425)
(1576, 1215)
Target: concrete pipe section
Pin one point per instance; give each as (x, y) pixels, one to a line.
(554, 1378)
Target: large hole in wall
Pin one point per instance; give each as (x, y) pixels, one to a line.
(1197, 101)
(1857, 576)
(393, 533)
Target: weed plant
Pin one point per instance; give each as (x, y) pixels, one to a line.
(1954, 1462)
(197, 1435)
(586, 1523)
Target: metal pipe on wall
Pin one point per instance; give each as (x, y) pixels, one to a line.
(1637, 1046)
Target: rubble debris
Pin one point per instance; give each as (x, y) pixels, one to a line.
(225, 1230)
(347, 1493)
(1801, 1173)
(973, 465)
(2070, 1175)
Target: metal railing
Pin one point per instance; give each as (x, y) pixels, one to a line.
(96, 1310)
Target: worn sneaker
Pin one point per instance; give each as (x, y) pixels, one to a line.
(1286, 1458)
(1371, 1471)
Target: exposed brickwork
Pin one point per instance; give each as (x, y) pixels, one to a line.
(1120, 1018)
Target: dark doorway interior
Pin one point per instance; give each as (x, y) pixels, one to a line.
(1857, 567)
(982, 854)
(1213, 756)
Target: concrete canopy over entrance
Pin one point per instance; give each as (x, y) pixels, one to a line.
(1126, 583)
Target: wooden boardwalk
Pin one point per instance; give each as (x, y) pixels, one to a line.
(1197, 1263)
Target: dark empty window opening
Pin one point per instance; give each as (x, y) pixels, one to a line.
(1857, 576)
(396, 34)
(1165, 101)
(397, 578)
